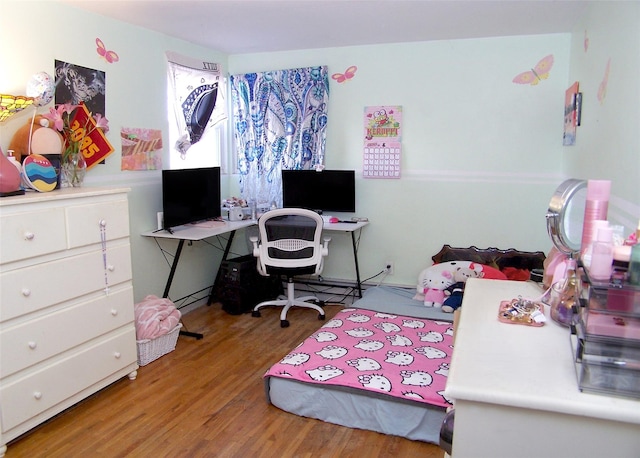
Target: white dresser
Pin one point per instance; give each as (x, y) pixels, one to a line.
(66, 302)
(516, 392)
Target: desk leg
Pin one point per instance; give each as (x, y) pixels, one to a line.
(172, 272)
(355, 259)
(224, 258)
(167, 287)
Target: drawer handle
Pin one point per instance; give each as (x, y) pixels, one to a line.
(26, 292)
(29, 235)
(117, 355)
(32, 345)
(114, 312)
(37, 395)
(111, 268)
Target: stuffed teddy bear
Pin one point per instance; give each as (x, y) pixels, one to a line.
(455, 291)
(45, 139)
(432, 283)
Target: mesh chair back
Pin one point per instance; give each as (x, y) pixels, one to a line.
(290, 242)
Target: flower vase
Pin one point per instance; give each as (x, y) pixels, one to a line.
(74, 168)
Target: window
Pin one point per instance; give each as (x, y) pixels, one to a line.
(196, 101)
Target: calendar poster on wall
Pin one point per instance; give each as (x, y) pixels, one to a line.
(382, 142)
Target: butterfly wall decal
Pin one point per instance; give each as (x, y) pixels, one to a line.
(346, 76)
(536, 74)
(109, 56)
(602, 88)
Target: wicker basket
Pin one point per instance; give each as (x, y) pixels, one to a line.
(152, 349)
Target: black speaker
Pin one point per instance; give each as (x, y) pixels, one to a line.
(240, 287)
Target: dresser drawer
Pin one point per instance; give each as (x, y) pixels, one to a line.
(33, 288)
(30, 343)
(83, 222)
(29, 234)
(40, 390)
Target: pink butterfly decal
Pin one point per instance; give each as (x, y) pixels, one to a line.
(602, 89)
(536, 74)
(109, 56)
(346, 76)
(586, 41)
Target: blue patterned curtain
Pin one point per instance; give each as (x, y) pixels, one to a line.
(280, 121)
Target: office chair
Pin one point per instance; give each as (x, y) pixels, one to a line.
(289, 246)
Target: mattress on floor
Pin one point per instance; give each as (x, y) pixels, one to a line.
(369, 370)
(391, 299)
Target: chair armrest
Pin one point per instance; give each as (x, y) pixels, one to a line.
(256, 250)
(325, 246)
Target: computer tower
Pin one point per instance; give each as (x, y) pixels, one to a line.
(240, 287)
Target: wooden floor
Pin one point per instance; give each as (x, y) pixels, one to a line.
(206, 399)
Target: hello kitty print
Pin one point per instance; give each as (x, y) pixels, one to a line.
(379, 352)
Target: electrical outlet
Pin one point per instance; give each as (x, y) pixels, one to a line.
(388, 267)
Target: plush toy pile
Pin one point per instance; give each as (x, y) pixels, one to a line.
(442, 285)
(41, 137)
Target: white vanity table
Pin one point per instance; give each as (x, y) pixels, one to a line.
(515, 389)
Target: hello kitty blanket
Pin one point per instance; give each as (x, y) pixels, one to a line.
(395, 355)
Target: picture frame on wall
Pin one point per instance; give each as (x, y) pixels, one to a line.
(571, 114)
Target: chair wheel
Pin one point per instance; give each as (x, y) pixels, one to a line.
(284, 323)
(321, 317)
(256, 313)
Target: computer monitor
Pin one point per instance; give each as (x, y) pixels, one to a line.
(325, 191)
(190, 195)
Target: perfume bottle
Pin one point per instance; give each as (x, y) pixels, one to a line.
(563, 296)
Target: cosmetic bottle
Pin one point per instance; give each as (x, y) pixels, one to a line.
(634, 261)
(588, 250)
(602, 255)
(563, 296)
(596, 208)
(634, 265)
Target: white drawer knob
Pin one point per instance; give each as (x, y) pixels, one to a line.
(114, 312)
(37, 395)
(111, 268)
(26, 292)
(29, 235)
(117, 355)
(32, 345)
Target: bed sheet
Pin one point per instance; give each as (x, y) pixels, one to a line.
(369, 370)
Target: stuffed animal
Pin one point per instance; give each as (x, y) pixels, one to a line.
(44, 139)
(432, 283)
(455, 291)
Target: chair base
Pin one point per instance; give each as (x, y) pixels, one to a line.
(289, 302)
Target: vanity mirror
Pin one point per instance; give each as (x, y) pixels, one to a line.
(565, 216)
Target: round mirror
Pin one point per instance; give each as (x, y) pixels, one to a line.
(565, 216)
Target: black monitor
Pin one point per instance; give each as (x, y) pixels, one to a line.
(190, 195)
(326, 191)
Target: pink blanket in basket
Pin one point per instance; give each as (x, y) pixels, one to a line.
(155, 317)
(390, 354)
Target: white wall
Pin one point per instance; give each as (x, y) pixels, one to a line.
(481, 155)
(607, 142)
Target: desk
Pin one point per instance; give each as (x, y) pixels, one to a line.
(516, 392)
(353, 229)
(194, 233)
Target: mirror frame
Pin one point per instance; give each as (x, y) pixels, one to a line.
(556, 214)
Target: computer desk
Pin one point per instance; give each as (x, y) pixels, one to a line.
(201, 231)
(194, 233)
(352, 228)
